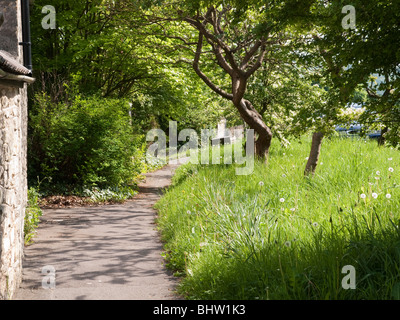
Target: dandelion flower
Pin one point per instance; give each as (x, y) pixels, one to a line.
(261, 183)
(391, 169)
(362, 196)
(287, 244)
(315, 224)
(378, 173)
(188, 212)
(284, 175)
(292, 209)
(282, 200)
(388, 196)
(374, 195)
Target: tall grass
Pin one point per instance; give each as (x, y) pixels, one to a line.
(276, 234)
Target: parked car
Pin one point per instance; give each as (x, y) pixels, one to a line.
(356, 129)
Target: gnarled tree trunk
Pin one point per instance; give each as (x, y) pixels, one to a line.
(255, 121)
(312, 162)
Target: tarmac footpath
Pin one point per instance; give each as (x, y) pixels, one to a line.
(110, 252)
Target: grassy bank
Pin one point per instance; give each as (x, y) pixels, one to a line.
(275, 234)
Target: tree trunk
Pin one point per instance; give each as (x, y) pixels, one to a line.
(381, 139)
(314, 153)
(255, 121)
(239, 73)
(262, 146)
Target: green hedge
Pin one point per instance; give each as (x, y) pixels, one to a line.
(84, 142)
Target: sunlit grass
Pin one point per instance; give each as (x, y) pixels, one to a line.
(276, 234)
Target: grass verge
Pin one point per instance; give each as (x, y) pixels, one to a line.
(276, 234)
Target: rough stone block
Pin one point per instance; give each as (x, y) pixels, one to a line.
(13, 146)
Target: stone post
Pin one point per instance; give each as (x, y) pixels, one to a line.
(13, 145)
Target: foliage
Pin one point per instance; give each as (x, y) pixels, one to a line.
(87, 142)
(104, 50)
(32, 214)
(116, 194)
(110, 49)
(289, 99)
(279, 235)
(93, 38)
(366, 56)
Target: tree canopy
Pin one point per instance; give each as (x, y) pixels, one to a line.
(282, 67)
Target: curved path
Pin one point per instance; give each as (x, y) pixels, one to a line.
(103, 252)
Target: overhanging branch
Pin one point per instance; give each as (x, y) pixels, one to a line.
(206, 80)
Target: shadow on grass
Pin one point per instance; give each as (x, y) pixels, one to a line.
(301, 271)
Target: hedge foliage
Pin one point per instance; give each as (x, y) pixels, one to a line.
(84, 142)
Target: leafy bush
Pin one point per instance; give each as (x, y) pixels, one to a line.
(87, 141)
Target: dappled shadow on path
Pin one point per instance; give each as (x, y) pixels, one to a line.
(101, 246)
(113, 246)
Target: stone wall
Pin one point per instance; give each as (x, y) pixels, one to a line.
(13, 142)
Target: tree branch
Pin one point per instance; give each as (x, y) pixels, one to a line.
(206, 80)
(258, 63)
(250, 54)
(217, 44)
